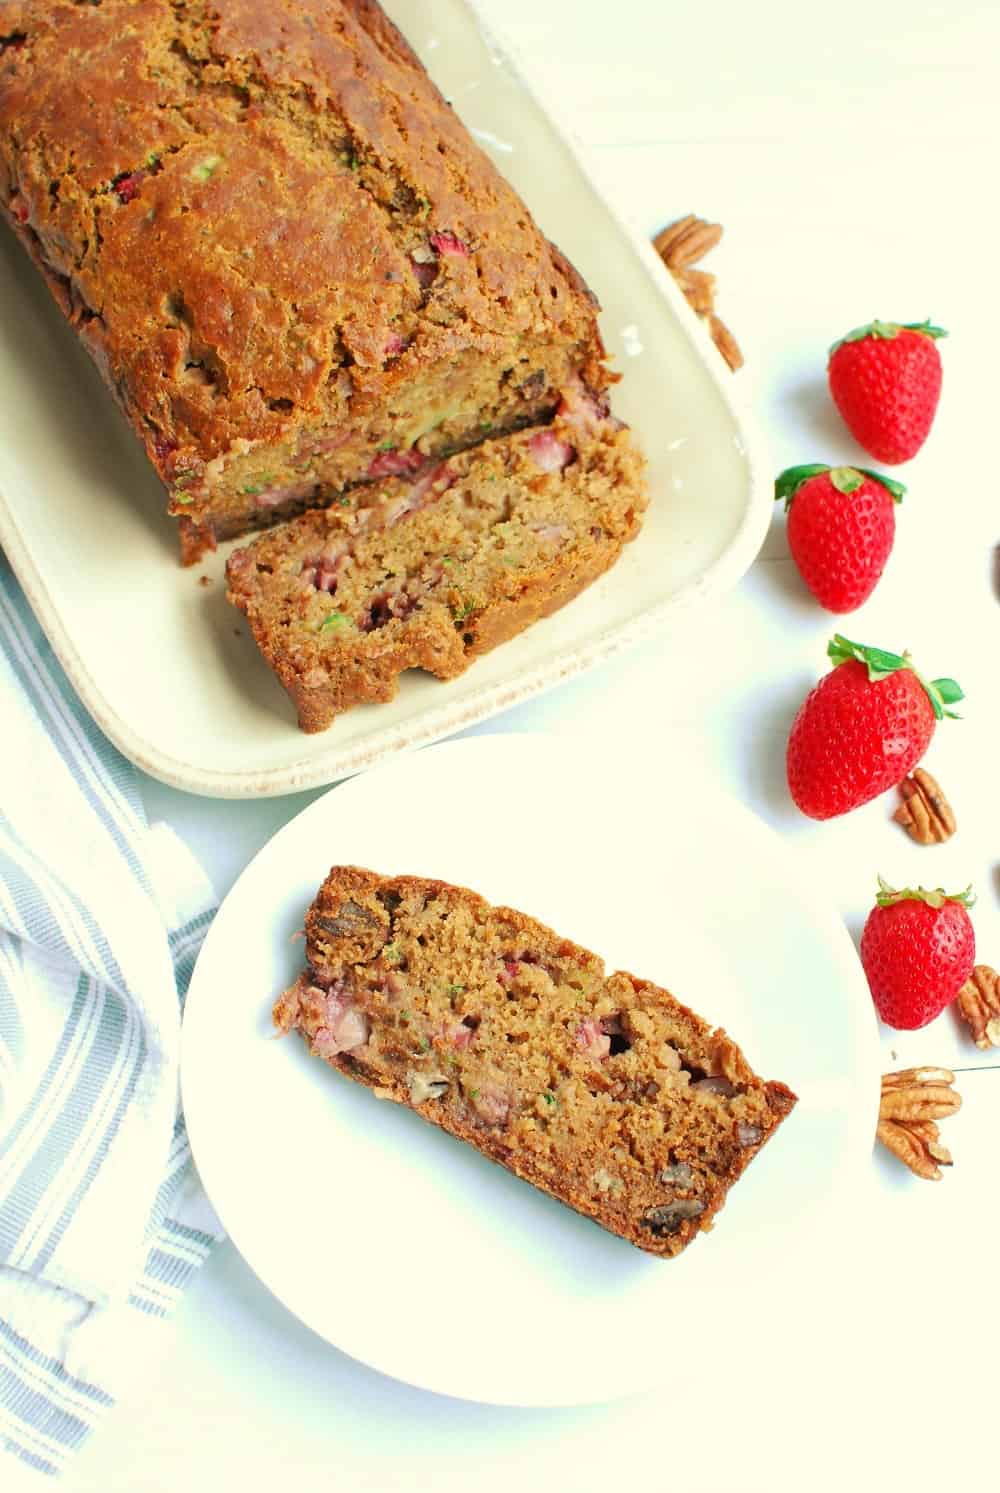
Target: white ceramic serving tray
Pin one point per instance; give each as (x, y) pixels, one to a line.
(167, 667)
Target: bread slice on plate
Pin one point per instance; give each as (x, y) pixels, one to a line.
(602, 1090)
(439, 567)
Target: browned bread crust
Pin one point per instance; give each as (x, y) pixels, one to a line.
(290, 261)
(602, 1090)
(440, 568)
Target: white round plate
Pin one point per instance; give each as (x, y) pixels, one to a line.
(409, 1250)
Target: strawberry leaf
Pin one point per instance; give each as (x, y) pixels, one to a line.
(880, 665)
(792, 478)
(878, 662)
(896, 490)
(888, 896)
(886, 330)
(943, 692)
(879, 329)
(928, 329)
(844, 479)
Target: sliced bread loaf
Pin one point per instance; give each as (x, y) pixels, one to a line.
(289, 259)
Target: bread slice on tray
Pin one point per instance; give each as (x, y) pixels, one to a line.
(441, 566)
(602, 1090)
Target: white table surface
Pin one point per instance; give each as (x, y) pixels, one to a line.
(851, 154)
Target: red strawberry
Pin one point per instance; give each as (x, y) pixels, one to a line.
(886, 381)
(841, 524)
(918, 949)
(862, 729)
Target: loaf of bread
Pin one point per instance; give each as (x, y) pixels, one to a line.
(440, 567)
(602, 1090)
(288, 258)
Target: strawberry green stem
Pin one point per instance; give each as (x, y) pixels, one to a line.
(844, 479)
(888, 896)
(886, 330)
(880, 664)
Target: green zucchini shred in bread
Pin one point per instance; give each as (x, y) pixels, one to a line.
(602, 1090)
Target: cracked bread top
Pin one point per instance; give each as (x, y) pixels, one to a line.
(257, 213)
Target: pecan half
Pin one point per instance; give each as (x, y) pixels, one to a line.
(680, 245)
(725, 342)
(683, 243)
(912, 1103)
(925, 813)
(978, 1004)
(699, 289)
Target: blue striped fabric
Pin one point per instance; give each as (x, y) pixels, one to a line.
(101, 1222)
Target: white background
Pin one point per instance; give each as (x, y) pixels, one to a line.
(851, 153)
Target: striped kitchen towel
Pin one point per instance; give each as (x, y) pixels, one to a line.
(102, 1222)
